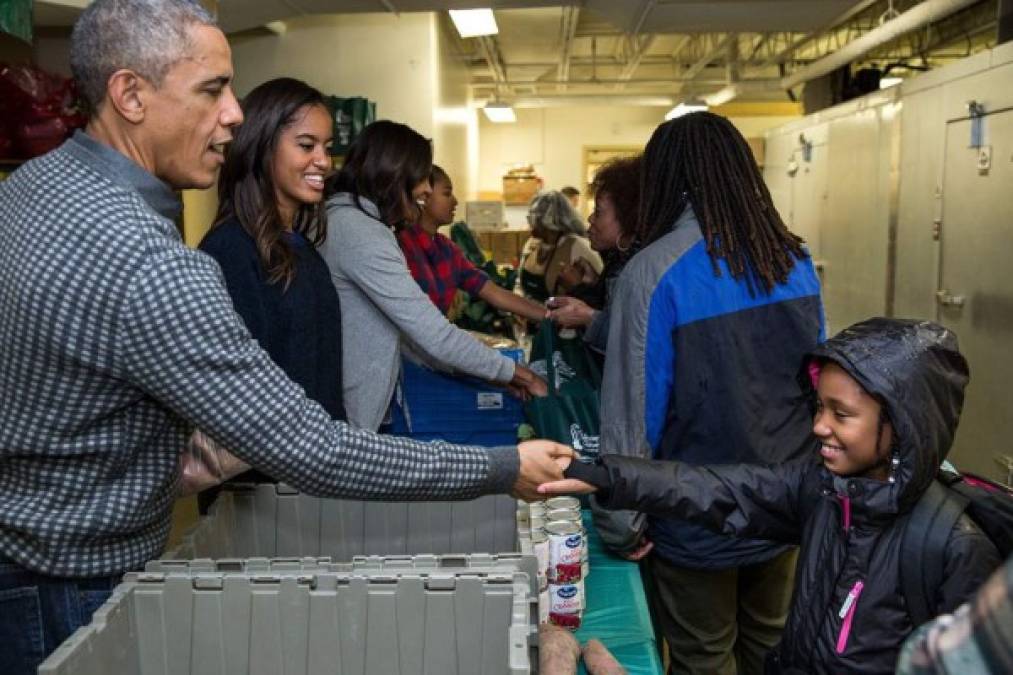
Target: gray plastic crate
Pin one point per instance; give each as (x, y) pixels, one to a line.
(275, 520)
(465, 615)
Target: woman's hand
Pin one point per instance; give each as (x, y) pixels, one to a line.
(570, 312)
(528, 383)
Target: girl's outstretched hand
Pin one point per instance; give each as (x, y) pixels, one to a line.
(567, 486)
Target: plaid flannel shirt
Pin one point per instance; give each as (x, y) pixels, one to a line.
(115, 340)
(439, 267)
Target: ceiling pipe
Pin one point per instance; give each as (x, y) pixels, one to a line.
(577, 100)
(635, 59)
(570, 18)
(763, 82)
(917, 17)
(716, 50)
(851, 13)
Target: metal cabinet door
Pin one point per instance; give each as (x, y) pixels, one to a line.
(975, 296)
(809, 197)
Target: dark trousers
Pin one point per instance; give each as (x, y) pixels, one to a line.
(38, 612)
(721, 622)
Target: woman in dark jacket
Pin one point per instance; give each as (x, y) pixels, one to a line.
(616, 191)
(270, 223)
(847, 512)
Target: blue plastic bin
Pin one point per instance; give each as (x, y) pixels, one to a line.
(457, 409)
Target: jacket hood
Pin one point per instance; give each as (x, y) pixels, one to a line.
(917, 372)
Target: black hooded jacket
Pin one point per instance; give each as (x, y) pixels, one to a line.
(849, 528)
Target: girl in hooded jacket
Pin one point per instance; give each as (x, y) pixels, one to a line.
(888, 395)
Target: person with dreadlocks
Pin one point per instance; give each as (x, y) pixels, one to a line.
(885, 397)
(708, 323)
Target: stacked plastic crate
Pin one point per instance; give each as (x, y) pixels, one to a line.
(424, 614)
(256, 586)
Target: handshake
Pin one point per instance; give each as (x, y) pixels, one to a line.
(542, 464)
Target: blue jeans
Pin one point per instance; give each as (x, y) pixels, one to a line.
(38, 612)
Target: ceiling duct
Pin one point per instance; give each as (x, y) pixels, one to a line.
(917, 17)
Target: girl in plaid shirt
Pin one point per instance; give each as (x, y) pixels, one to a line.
(441, 269)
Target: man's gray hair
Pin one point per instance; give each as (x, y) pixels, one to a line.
(145, 36)
(553, 211)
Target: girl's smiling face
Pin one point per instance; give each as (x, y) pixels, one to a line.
(847, 423)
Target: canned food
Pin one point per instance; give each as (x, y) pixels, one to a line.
(571, 621)
(566, 543)
(571, 503)
(543, 606)
(537, 523)
(568, 515)
(583, 546)
(537, 508)
(565, 573)
(566, 598)
(540, 544)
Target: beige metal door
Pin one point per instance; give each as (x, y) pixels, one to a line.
(975, 294)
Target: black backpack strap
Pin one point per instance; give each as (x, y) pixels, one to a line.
(923, 549)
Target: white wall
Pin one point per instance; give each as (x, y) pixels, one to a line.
(404, 63)
(388, 59)
(553, 139)
(455, 122)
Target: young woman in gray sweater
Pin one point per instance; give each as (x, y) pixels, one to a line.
(384, 177)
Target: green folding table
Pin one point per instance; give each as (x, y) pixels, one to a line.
(617, 612)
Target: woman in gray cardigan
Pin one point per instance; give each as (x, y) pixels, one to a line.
(385, 174)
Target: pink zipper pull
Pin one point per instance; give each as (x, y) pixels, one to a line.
(846, 511)
(848, 614)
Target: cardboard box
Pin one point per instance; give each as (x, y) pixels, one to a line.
(520, 191)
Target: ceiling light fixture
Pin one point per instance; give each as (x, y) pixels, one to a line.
(474, 22)
(686, 107)
(722, 96)
(499, 112)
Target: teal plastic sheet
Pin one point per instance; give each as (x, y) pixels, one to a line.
(617, 612)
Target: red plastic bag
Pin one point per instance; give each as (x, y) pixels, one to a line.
(38, 110)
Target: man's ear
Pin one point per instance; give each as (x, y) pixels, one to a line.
(125, 94)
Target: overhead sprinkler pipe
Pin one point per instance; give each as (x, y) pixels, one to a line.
(918, 16)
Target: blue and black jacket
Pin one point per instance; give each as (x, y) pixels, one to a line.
(699, 369)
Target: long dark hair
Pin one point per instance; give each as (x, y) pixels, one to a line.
(246, 186)
(702, 159)
(383, 165)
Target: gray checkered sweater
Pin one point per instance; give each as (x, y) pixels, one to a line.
(115, 340)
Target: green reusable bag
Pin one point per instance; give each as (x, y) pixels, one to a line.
(16, 19)
(569, 413)
(350, 117)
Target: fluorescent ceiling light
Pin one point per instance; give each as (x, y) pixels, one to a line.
(474, 22)
(499, 112)
(685, 108)
(887, 82)
(722, 96)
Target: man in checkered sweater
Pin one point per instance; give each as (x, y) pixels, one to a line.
(116, 340)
